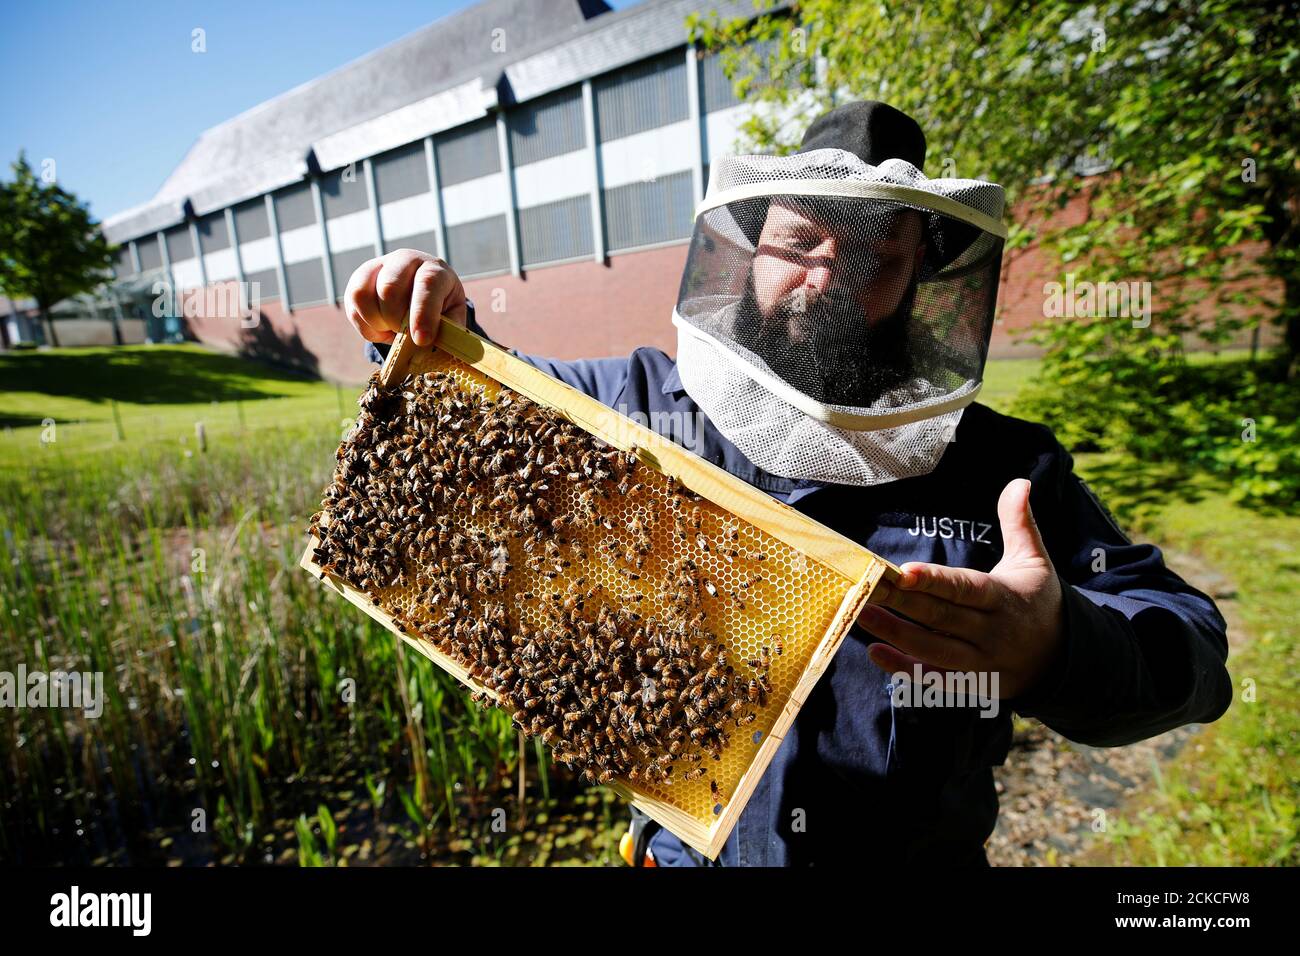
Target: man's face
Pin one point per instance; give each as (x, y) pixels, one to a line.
(827, 306)
(801, 259)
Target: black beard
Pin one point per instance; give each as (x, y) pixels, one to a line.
(844, 360)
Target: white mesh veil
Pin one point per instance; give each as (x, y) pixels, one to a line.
(834, 317)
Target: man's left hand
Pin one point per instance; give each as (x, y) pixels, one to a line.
(1008, 621)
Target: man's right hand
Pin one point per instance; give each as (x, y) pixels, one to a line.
(404, 286)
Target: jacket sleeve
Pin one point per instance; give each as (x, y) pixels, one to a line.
(1143, 651)
(602, 379)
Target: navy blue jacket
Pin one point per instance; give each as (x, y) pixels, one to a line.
(1143, 653)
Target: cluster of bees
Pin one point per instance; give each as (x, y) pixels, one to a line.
(449, 495)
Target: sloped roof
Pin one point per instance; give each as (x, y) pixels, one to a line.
(422, 84)
(635, 33)
(266, 146)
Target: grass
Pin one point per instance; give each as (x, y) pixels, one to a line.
(101, 399)
(241, 697)
(1003, 378)
(1231, 797)
(245, 701)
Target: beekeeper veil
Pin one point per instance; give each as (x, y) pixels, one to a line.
(835, 312)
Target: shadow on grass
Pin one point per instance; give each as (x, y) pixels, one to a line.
(1134, 490)
(149, 375)
(19, 421)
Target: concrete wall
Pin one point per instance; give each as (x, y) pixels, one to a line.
(87, 332)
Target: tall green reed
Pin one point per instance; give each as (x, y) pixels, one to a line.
(236, 687)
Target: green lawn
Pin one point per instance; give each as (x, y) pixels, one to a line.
(155, 393)
(159, 393)
(1003, 378)
(1230, 797)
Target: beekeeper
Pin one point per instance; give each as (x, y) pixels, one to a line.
(833, 324)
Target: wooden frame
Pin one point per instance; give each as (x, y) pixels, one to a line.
(861, 569)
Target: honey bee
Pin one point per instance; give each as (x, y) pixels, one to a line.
(431, 486)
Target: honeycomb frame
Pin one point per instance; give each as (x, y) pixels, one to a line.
(824, 580)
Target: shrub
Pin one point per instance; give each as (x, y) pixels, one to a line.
(1231, 418)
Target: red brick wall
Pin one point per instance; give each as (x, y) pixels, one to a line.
(1025, 271)
(585, 309)
(316, 339)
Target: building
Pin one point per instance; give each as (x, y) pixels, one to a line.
(554, 160)
(551, 150)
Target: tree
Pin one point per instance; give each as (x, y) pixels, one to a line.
(50, 246)
(1191, 109)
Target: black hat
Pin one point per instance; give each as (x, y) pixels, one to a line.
(875, 132)
(872, 131)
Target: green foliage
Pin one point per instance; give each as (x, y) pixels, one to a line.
(50, 247)
(1266, 469)
(1172, 125)
(1187, 108)
(308, 854)
(329, 830)
(1231, 419)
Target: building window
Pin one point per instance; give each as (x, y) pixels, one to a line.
(266, 282)
(641, 214)
(250, 220)
(643, 96)
(122, 265)
(716, 91)
(546, 127)
(555, 230)
(344, 191)
(213, 235)
(468, 153)
(306, 282)
(294, 208)
(400, 173)
(423, 241)
(179, 246)
(150, 254)
(478, 247)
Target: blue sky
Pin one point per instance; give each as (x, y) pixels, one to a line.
(111, 91)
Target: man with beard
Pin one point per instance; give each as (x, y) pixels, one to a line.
(820, 299)
(833, 321)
